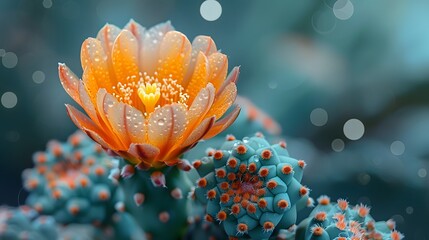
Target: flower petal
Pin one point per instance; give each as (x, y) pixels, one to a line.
(203, 44)
(199, 77)
(192, 139)
(125, 57)
(87, 104)
(232, 78)
(128, 122)
(218, 69)
(149, 50)
(166, 125)
(86, 125)
(107, 36)
(223, 101)
(93, 57)
(145, 152)
(104, 102)
(199, 131)
(136, 29)
(69, 81)
(174, 56)
(201, 105)
(224, 123)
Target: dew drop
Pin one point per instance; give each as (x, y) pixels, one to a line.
(161, 122)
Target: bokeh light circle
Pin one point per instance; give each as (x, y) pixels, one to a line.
(337, 145)
(211, 10)
(343, 9)
(38, 77)
(9, 100)
(319, 117)
(47, 3)
(354, 129)
(324, 21)
(422, 173)
(397, 148)
(2, 52)
(9, 60)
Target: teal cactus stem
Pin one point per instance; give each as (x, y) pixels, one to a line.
(157, 198)
(24, 223)
(76, 183)
(250, 187)
(340, 221)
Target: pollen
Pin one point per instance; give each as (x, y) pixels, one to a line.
(152, 91)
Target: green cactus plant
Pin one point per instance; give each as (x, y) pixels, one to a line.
(340, 221)
(251, 188)
(157, 198)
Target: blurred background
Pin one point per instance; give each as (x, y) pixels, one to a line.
(348, 80)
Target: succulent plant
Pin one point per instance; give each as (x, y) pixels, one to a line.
(251, 188)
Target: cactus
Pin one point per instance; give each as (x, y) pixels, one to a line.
(202, 230)
(339, 221)
(24, 223)
(251, 188)
(157, 198)
(73, 182)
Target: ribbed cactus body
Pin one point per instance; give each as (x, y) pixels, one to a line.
(75, 182)
(340, 221)
(25, 223)
(251, 188)
(157, 198)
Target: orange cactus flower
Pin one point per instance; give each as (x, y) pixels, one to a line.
(150, 94)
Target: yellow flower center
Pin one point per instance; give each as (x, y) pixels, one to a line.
(152, 91)
(149, 94)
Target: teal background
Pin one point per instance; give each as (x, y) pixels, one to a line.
(295, 56)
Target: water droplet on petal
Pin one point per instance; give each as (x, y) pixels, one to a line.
(161, 122)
